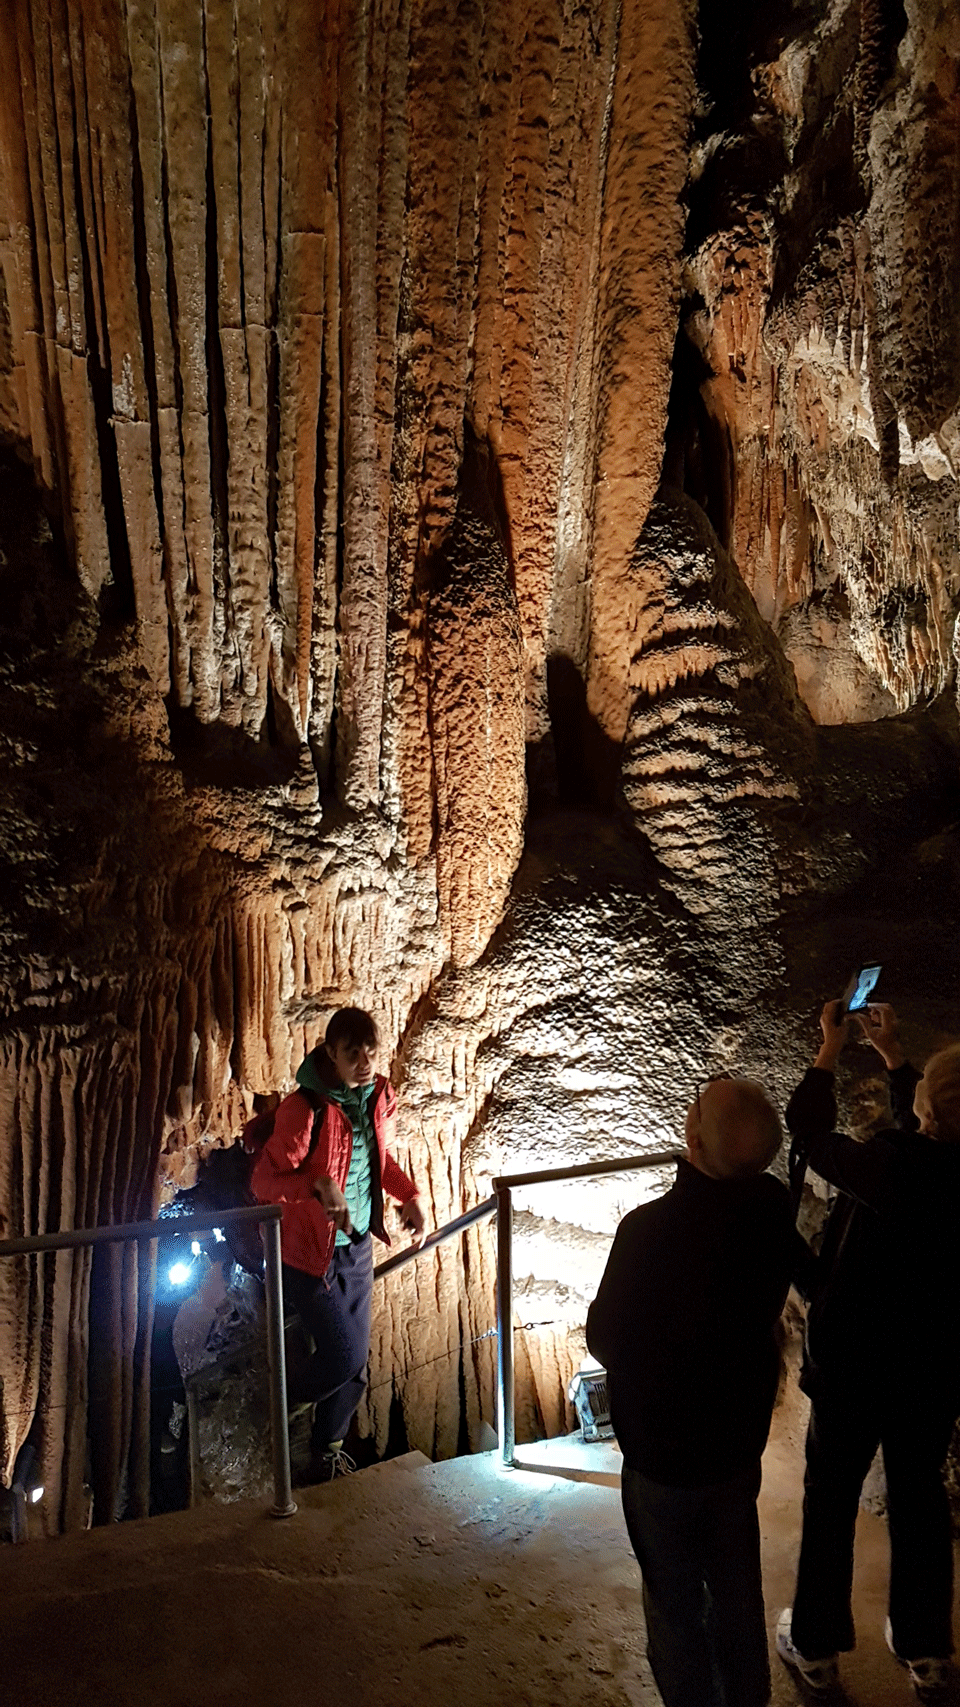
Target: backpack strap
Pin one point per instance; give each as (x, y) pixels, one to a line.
(318, 1103)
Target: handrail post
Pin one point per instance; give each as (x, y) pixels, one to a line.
(269, 1217)
(284, 1504)
(506, 1421)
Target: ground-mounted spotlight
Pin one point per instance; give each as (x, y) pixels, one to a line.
(36, 1495)
(588, 1395)
(179, 1273)
(196, 1247)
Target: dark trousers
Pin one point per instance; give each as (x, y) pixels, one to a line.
(699, 1553)
(841, 1442)
(336, 1312)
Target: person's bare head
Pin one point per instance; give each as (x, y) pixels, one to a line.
(732, 1130)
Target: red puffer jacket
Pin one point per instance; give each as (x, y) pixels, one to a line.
(287, 1167)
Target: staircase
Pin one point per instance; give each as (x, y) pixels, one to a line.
(409, 1584)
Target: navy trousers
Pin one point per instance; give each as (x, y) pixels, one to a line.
(699, 1554)
(336, 1312)
(841, 1441)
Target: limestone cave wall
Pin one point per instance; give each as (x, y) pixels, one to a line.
(479, 524)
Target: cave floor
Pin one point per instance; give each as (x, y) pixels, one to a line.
(412, 1583)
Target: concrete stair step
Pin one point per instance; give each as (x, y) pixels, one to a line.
(426, 1583)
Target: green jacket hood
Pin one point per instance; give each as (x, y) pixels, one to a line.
(316, 1072)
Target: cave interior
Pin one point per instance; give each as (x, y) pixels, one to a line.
(479, 540)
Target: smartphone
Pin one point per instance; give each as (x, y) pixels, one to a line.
(857, 994)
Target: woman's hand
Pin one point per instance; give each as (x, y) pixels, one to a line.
(881, 1027)
(411, 1217)
(835, 1028)
(334, 1202)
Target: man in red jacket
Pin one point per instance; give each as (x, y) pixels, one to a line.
(328, 1162)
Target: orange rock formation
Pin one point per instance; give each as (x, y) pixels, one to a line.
(430, 437)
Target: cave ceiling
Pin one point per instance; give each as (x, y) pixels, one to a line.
(479, 526)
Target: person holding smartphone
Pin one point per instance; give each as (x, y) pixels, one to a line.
(882, 1354)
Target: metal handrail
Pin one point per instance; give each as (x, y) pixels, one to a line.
(439, 1237)
(586, 1170)
(504, 1188)
(501, 1205)
(173, 1227)
(268, 1214)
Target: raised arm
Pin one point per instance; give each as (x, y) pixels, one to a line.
(864, 1171)
(812, 1109)
(881, 1027)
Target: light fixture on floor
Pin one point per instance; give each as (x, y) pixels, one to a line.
(588, 1395)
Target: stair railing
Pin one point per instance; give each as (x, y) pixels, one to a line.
(501, 1205)
(268, 1215)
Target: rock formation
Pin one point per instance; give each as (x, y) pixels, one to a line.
(478, 504)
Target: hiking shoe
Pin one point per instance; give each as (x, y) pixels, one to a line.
(818, 1675)
(929, 1676)
(330, 1465)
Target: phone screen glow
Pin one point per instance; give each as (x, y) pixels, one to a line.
(865, 980)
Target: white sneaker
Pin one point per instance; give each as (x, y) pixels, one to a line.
(929, 1676)
(818, 1675)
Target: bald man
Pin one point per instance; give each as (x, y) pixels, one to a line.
(685, 1323)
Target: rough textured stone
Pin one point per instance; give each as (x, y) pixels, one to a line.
(219, 1337)
(827, 448)
(430, 437)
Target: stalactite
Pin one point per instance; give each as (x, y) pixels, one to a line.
(338, 352)
(476, 719)
(638, 274)
(826, 374)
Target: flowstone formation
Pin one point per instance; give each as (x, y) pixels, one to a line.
(478, 503)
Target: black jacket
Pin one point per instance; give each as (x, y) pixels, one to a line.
(884, 1316)
(685, 1324)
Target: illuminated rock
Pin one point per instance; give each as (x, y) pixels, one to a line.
(428, 446)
